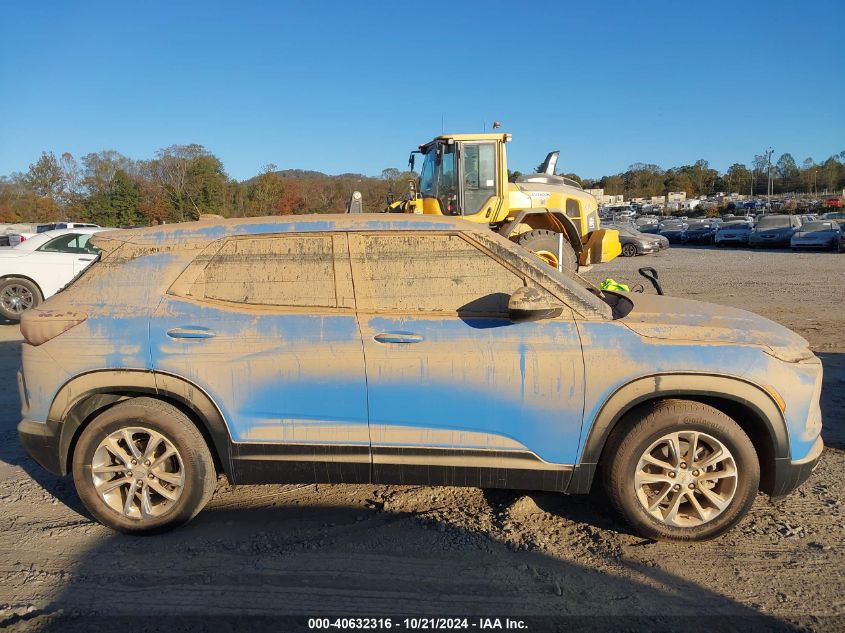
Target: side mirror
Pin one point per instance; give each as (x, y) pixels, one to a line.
(531, 304)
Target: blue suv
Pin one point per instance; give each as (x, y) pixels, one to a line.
(408, 350)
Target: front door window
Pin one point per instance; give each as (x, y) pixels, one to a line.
(478, 175)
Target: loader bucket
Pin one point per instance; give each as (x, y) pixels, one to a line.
(600, 246)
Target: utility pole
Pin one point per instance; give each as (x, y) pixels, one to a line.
(769, 185)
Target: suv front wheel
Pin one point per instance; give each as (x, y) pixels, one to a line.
(681, 470)
(143, 466)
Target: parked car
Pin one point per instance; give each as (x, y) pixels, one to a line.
(674, 230)
(774, 230)
(701, 231)
(53, 226)
(13, 239)
(39, 267)
(636, 243)
(833, 203)
(735, 232)
(412, 350)
(839, 216)
(824, 234)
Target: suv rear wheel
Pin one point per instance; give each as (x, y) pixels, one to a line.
(681, 471)
(142, 466)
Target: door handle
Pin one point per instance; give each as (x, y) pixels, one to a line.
(190, 332)
(398, 337)
(85, 259)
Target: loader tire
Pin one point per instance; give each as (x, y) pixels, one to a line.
(545, 244)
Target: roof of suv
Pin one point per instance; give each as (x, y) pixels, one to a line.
(207, 230)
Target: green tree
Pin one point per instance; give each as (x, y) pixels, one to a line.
(830, 173)
(738, 177)
(787, 170)
(45, 177)
(123, 198)
(264, 192)
(205, 187)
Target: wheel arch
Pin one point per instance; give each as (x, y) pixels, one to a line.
(551, 219)
(84, 397)
(27, 278)
(749, 405)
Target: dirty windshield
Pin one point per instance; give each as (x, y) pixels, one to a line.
(774, 222)
(818, 226)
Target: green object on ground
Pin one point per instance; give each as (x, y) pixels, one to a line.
(612, 284)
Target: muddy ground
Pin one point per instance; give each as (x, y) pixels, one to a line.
(389, 550)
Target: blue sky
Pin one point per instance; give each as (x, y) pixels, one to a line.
(353, 86)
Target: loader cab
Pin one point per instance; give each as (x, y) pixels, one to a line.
(462, 176)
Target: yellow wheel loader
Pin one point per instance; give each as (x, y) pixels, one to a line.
(467, 175)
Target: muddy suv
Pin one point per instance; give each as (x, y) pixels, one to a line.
(407, 350)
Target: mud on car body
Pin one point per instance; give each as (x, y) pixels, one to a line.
(406, 350)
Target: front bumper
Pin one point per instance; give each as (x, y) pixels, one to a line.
(790, 474)
(828, 244)
(41, 441)
(769, 241)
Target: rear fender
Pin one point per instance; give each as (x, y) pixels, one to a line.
(90, 393)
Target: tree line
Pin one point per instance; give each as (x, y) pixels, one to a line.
(645, 180)
(183, 182)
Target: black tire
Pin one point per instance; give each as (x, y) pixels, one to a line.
(649, 424)
(17, 284)
(629, 250)
(200, 476)
(543, 240)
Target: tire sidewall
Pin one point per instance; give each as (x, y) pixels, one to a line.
(37, 299)
(747, 480)
(627, 248)
(128, 415)
(544, 239)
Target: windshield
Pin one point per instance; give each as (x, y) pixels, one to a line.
(774, 222)
(438, 177)
(818, 226)
(735, 226)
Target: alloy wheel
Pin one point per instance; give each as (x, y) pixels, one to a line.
(686, 479)
(138, 473)
(16, 298)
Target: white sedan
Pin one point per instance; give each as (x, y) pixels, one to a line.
(41, 266)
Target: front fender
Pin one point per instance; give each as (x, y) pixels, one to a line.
(675, 385)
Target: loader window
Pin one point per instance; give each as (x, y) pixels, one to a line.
(478, 174)
(438, 178)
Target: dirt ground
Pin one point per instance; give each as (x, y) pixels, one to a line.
(388, 550)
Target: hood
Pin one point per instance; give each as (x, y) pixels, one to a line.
(662, 317)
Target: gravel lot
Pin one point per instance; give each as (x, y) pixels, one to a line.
(388, 550)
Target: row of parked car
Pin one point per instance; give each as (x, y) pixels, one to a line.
(770, 230)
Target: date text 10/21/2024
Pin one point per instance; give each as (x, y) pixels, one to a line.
(421, 623)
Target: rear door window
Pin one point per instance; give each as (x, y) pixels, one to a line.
(284, 271)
